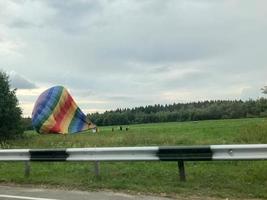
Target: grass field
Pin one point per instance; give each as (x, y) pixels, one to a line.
(241, 179)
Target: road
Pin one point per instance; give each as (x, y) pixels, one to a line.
(31, 193)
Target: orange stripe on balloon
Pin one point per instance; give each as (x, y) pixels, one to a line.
(68, 117)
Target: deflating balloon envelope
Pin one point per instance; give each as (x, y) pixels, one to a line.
(56, 112)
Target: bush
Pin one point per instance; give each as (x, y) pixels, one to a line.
(10, 113)
(27, 124)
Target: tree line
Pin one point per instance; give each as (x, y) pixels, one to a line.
(179, 112)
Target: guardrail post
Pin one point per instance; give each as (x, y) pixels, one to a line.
(97, 171)
(181, 170)
(27, 168)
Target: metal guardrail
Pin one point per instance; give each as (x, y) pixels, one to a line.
(239, 152)
(174, 153)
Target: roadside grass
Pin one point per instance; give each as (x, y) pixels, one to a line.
(238, 179)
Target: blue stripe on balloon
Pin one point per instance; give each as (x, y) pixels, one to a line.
(47, 105)
(40, 107)
(78, 121)
(80, 125)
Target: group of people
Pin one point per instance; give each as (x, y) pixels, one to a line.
(120, 128)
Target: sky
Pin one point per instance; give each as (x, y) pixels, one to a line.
(128, 53)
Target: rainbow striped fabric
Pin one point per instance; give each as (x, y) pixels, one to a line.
(56, 112)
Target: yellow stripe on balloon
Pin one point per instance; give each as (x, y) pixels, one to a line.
(47, 125)
(61, 101)
(50, 122)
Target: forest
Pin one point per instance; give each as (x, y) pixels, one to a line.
(179, 112)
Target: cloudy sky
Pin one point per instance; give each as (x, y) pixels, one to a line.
(127, 53)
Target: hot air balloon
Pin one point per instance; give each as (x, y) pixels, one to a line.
(56, 112)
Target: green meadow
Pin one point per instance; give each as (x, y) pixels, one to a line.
(226, 179)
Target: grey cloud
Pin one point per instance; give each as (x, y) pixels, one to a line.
(75, 9)
(73, 16)
(18, 23)
(19, 82)
(140, 39)
(189, 80)
(120, 98)
(83, 93)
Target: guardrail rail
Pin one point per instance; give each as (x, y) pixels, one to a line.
(171, 153)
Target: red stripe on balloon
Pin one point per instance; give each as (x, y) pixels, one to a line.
(60, 116)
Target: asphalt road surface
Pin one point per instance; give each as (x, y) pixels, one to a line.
(31, 193)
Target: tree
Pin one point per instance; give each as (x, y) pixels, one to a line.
(10, 113)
